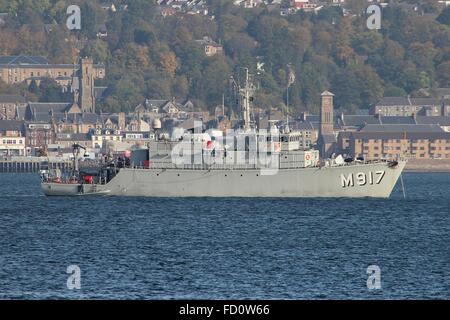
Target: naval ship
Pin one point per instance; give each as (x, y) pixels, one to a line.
(248, 162)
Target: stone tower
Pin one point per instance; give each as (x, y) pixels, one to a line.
(87, 98)
(121, 121)
(327, 139)
(326, 113)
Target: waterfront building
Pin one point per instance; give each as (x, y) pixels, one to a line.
(407, 106)
(12, 139)
(101, 137)
(411, 141)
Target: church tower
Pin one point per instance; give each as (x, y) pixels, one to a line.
(326, 113)
(327, 139)
(87, 98)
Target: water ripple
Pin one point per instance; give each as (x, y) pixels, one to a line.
(143, 248)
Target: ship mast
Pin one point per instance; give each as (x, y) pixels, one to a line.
(246, 96)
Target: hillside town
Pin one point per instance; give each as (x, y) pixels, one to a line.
(121, 93)
(172, 7)
(395, 127)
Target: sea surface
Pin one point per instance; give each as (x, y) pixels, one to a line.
(142, 248)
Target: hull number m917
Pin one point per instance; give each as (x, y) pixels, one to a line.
(362, 178)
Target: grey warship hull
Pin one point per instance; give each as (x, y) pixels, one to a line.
(347, 181)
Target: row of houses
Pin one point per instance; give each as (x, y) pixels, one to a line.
(420, 141)
(407, 106)
(27, 126)
(171, 7)
(293, 6)
(368, 136)
(387, 137)
(371, 141)
(20, 138)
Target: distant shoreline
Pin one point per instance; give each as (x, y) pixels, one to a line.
(430, 170)
(428, 165)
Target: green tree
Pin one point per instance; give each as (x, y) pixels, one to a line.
(91, 18)
(443, 74)
(52, 92)
(444, 17)
(34, 88)
(97, 49)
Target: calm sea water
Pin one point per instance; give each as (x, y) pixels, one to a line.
(139, 248)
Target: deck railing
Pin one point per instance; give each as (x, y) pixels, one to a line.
(280, 165)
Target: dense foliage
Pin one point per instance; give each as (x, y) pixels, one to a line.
(148, 56)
